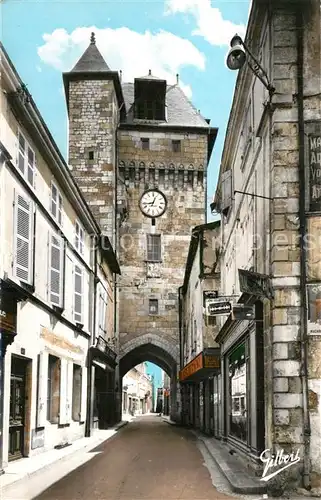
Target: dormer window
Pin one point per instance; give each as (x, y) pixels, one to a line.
(150, 96)
(150, 110)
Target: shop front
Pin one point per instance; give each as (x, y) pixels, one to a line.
(9, 296)
(242, 387)
(196, 380)
(102, 364)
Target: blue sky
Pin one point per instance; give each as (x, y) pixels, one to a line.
(189, 37)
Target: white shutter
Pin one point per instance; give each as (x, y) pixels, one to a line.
(78, 294)
(59, 209)
(53, 200)
(42, 389)
(81, 240)
(56, 269)
(31, 161)
(48, 265)
(23, 239)
(226, 190)
(21, 153)
(97, 309)
(83, 394)
(63, 392)
(77, 229)
(70, 367)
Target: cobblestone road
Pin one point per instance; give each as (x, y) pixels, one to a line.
(147, 459)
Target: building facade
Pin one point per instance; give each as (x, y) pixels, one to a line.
(137, 391)
(139, 152)
(200, 359)
(268, 198)
(56, 271)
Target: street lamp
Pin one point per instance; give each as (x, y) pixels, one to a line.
(239, 54)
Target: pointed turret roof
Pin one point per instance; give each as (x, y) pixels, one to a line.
(91, 60)
(92, 66)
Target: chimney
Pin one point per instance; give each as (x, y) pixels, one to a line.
(120, 76)
(177, 79)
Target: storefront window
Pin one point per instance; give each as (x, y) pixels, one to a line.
(237, 393)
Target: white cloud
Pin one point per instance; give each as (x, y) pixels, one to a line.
(123, 49)
(209, 20)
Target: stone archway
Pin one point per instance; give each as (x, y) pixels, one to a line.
(156, 350)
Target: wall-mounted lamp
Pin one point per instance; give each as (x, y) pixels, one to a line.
(239, 54)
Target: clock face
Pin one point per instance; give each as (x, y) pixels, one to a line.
(153, 203)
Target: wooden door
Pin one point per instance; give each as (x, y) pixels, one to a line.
(17, 408)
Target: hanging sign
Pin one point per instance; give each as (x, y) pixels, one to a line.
(314, 309)
(8, 313)
(218, 308)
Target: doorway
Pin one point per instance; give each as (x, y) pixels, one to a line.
(17, 415)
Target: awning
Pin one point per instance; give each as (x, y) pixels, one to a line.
(204, 365)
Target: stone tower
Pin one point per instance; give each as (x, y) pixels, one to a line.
(164, 149)
(94, 98)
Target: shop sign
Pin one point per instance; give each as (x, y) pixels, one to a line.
(209, 294)
(211, 361)
(218, 308)
(8, 314)
(102, 346)
(194, 366)
(314, 149)
(314, 309)
(255, 283)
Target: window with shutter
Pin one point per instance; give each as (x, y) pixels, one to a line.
(31, 166)
(76, 392)
(53, 389)
(79, 238)
(102, 312)
(26, 159)
(21, 154)
(78, 294)
(56, 270)
(56, 204)
(23, 239)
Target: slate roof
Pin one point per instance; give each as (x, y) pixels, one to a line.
(90, 61)
(180, 111)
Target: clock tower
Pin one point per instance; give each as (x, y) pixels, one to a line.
(164, 149)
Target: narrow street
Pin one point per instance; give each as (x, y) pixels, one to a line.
(147, 459)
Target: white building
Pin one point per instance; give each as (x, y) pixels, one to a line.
(137, 391)
(56, 269)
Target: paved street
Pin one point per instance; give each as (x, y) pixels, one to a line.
(148, 459)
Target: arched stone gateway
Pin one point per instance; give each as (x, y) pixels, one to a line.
(156, 350)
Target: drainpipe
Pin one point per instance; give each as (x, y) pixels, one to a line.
(303, 253)
(180, 310)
